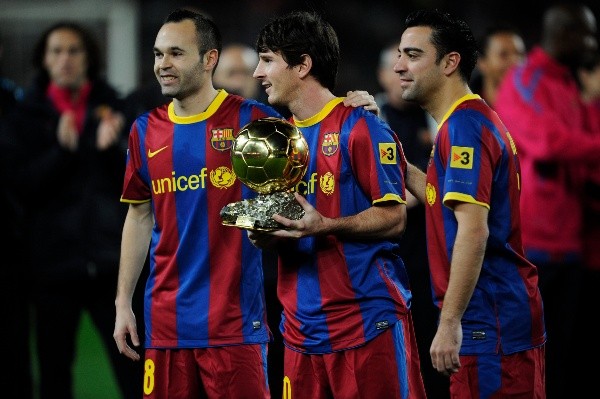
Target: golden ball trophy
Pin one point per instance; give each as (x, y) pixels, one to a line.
(270, 156)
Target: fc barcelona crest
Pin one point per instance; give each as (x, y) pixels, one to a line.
(331, 143)
(222, 138)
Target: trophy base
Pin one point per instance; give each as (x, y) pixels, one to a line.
(256, 213)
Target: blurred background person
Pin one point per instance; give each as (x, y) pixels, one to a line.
(541, 106)
(234, 72)
(411, 124)
(68, 161)
(500, 48)
(588, 77)
(14, 286)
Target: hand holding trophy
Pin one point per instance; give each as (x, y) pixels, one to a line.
(270, 156)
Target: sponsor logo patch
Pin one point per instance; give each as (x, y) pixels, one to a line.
(387, 153)
(222, 177)
(151, 154)
(461, 157)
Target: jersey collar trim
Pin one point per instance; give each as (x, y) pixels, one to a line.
(320, 115)
(464, 98)
(212, 108)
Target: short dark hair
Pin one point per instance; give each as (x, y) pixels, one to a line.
(299, 33)
(449, 34)
(207, 32)
(91, 48)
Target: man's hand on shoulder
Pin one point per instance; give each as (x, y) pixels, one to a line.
(361, 98)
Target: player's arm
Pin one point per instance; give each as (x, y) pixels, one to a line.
(386, 219)
(415, 182)
(137, 230)
(467, 260)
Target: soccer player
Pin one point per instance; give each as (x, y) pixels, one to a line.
(346, 322)
(490, 337)
(206, 329)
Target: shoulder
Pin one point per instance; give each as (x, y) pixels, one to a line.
(476, 123)
(371, 121)
(468, 117)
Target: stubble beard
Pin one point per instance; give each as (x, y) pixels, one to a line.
(410, 95)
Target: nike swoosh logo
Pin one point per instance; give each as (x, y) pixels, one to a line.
(153, 153)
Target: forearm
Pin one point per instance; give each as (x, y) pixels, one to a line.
(415, 182)
(466, 264)
(385, 221)
(134, 250)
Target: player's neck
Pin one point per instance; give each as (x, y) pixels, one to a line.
(310, 101)
(443, 99)
(196, 103)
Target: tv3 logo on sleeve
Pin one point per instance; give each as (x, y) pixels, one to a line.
(461, 157)
(387, 153)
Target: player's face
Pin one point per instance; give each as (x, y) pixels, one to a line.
(65, 59)
(419, 73)
(177, 62)
(277, 78)
(504, 50)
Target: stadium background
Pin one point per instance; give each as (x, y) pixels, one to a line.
(126, 30)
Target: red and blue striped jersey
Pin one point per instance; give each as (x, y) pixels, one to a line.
(338, 294)
(205, 286)
(474, 160)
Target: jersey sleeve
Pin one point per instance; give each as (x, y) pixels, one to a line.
(468, 159)
(378, 160)
(135, 190)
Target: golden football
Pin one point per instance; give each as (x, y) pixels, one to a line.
(269, 155)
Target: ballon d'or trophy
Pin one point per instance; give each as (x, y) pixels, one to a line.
(270, 156)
